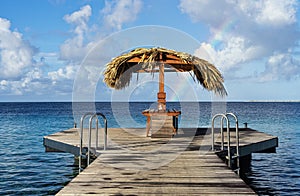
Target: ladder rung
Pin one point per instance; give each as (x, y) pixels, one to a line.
(233, 157)
(237, 170)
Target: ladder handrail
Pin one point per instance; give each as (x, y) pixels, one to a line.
(226, 116)
(92, 114)
(90, 132)
(237, 155)
(213, 124)
(236, 131)
(81, 137)
(105, 129)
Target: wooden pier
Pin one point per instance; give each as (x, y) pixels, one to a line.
(137, 165)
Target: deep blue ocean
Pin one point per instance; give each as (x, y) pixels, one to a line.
(26, 169)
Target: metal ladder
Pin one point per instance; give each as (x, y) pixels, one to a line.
(229, 156)
(92, 116)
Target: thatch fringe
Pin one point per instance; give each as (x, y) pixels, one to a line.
(119, 71)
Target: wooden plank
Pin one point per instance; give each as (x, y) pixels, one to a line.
(250, 140)
(179, 177)
(139, 165)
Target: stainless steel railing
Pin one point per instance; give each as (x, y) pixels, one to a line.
(229, 156)
(90, 133)
(92, 116)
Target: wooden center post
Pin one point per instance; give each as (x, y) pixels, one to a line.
(161, 95)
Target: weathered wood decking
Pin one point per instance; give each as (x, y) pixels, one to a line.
(138, 165)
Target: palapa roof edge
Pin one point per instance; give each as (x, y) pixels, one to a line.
(118, 71)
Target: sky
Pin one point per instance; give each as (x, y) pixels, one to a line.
(56, 50)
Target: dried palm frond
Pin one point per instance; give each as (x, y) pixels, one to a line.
(119, 71)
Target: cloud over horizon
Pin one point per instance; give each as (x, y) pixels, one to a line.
(244, 31)
(16, 54)
(249, 41)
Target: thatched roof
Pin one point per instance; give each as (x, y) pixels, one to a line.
(119, 71)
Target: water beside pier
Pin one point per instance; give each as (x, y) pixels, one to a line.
(27, 170)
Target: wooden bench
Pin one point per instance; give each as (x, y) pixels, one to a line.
(161, 123)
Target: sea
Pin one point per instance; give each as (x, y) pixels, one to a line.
(26, 169)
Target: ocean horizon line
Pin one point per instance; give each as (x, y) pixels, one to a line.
(148, 101)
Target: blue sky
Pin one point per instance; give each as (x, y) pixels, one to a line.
(47, 47)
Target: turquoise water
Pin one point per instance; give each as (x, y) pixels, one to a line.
(25, 168)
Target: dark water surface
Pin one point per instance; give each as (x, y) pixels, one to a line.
(25, 168)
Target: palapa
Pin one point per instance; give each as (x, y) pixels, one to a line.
(119, 71)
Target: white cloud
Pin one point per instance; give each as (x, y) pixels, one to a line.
(80, 19)
(269, 12)
(31, 81)
(206, 11)
(281, 66)
(23, 69)
(235, 51)
(74, 49)
(3, 85)
(36, 82)
(15, 53)
(118, 12)
(20, 73)
(51, 73)
(266, 12)
(77, 48)
(67, 72)
(245, 30)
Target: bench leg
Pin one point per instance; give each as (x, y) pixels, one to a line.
(148, 126)
(175, 124)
